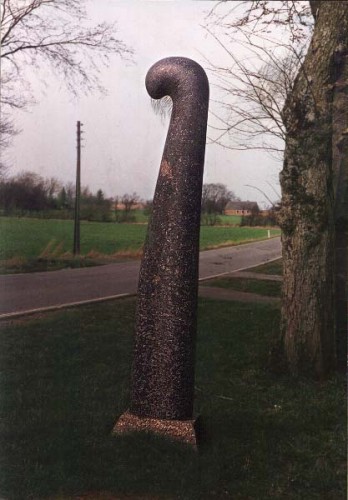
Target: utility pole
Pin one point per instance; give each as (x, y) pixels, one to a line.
(76, 250)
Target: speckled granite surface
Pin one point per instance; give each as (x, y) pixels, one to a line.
(163, 366)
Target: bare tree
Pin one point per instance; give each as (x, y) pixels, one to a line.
(54, 32)
(70, 193)
(123, 206)
(128, 201)
(57, 33)
(214, 200)
(52, 187)
(251, 110)
(7, 132)
(116, 206)
(254, 86)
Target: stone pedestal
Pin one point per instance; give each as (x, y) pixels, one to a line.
(184, 431)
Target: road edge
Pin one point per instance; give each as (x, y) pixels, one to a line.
(69, 305)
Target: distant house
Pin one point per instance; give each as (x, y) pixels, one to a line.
(241, 208)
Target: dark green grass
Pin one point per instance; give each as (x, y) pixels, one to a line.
(275, 267)
(64, 380)
(271, 288)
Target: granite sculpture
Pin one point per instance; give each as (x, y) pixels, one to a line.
(162, 384)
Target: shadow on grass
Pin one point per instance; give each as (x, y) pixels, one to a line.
(261, 287)
(64, 381)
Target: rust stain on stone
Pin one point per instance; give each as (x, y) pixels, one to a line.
(166, 169)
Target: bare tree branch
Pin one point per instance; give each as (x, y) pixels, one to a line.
(255, 86)
(56, 32)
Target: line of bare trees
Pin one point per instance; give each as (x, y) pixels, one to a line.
(30, 194)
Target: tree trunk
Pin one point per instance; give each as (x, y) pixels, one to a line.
(340, 171)
(308, 200)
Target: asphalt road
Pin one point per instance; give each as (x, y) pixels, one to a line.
(22, 293)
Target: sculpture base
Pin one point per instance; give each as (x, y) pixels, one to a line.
(179, 430)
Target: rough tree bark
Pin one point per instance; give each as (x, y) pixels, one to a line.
(340, 177)
(307, 217)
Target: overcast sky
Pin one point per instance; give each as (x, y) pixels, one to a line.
(123, 137)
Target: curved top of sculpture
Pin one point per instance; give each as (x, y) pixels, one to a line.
(177, 77)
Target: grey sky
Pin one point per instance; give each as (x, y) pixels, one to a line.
(123, 138)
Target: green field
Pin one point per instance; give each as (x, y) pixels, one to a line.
(217, 236)
(233, 220)
(28, 238)
(230, 220)
(65, 380)
(139, 216)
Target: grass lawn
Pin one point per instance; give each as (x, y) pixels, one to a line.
(274, 267)
(230, 219)
(139, 215)
(64, 380)
(262, 287)
(30, 237)
(233, 220)
(24, 241)
(217, 236)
